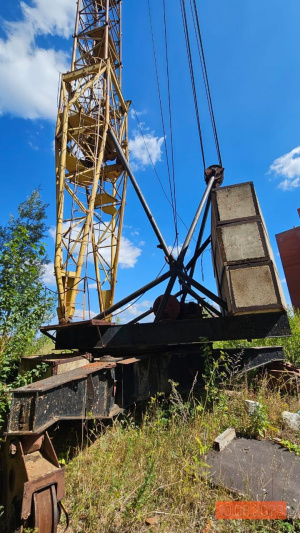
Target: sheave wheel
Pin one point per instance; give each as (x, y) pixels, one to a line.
(46, 512)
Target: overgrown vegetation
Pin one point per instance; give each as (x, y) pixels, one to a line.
(24, 302)
(148, 472)
(291, 344)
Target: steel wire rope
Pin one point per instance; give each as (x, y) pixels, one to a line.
(153, 165)
(161, 113)
(170, 119)
(191, 68)
(199, 40)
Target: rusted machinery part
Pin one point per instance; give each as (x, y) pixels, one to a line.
(217, 171)
(45, 511)
(172, 308)
(33, 483)
(284, 375)
(177, 310)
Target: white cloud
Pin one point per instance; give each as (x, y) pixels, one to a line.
(29, 73)
(145, 150)
(55, 17)
(48, 276)
(135, 310)
(175, 250)
(289, 185)
(129, 253)
(134, 113)
(288, 167)
(87, 315)
(52, 232)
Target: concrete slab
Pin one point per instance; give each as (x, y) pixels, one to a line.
(260, 470)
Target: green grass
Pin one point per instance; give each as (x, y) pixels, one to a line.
(147, 471)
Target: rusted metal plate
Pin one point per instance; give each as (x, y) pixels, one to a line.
(289, 249)
(83, 323)
(101, 391)
(57, 363)
(260, 470)
(62, 379)
(28, 466)
(80, 393)
(133, 339)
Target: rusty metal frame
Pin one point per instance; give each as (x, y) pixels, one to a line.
(134, 339)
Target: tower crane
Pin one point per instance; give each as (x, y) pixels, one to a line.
(108, 366)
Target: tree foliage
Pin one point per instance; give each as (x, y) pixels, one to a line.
(24, 302)
(31, 216)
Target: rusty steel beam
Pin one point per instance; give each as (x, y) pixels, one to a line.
(93, 336)
(85, 392)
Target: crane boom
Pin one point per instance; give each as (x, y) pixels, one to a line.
(90, 180)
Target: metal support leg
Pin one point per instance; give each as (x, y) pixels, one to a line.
(212, 311)
(203, 289)
(196, 220)
(151, 219)
(134, 295)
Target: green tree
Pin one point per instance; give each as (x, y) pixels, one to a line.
(31, 216)
(24, 302)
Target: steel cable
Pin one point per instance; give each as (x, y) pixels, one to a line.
(197, 29)
(190, 61)
(162, 115)
(170, 117)
(154, 167)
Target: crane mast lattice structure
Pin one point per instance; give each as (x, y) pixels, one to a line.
(90, 180)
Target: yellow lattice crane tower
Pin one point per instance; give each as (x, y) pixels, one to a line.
(90, 180)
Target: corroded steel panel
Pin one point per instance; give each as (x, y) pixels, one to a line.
(289, 249)
(261, 469)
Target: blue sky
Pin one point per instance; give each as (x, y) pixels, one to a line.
(252, 53)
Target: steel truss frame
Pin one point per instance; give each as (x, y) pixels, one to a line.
(184, 273)
(90, 181)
